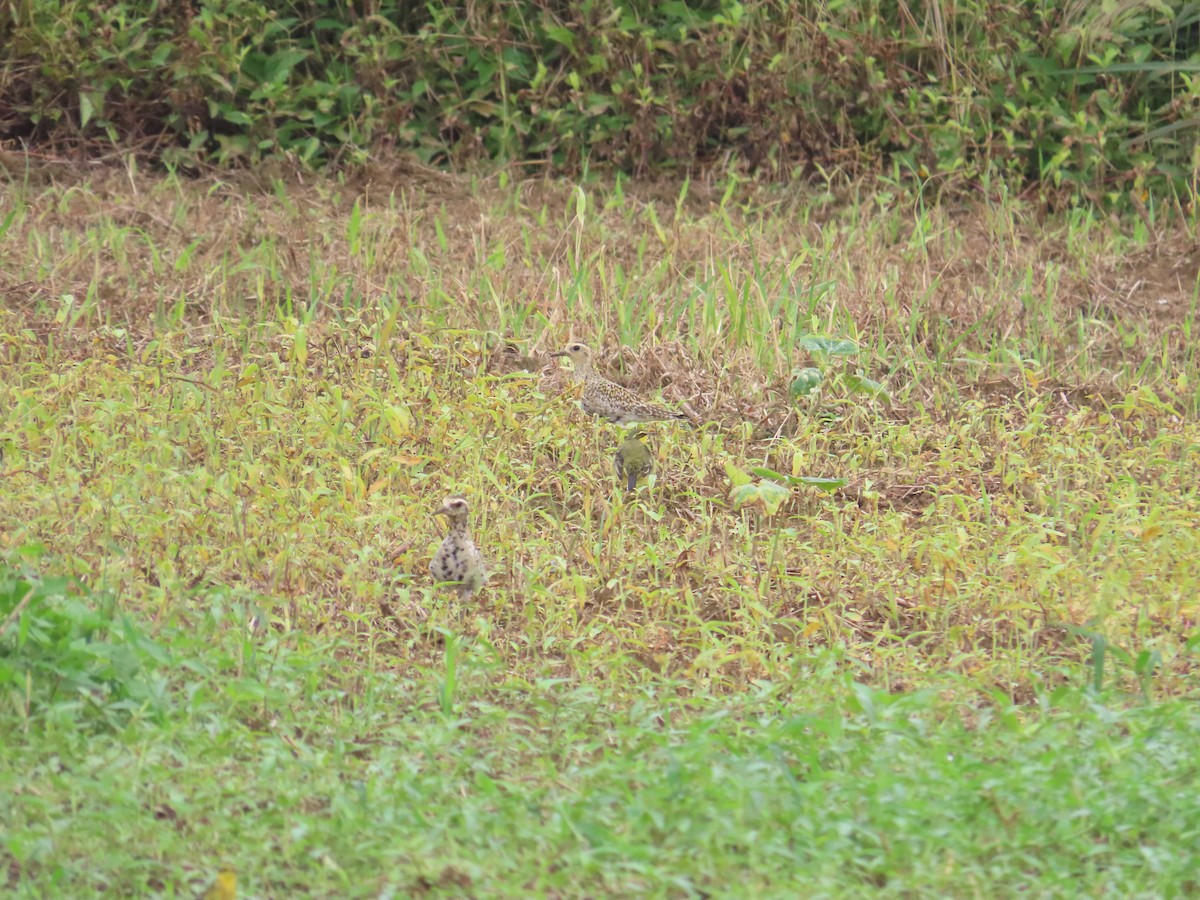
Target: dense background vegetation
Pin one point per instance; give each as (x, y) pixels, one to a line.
(912, 611)
(1102, 98)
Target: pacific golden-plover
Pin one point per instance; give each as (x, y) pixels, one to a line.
(633, 459)
(607, 399)
(458, 559)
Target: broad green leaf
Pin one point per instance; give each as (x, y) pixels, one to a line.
(563, 36)
(281, 63)
(86, 109)
(817, 343)
(763, 472)
(744, 495)
(736, 476)
(824, 484)
(234, 116)
(245, 690)
(859, 384)
(767, 494)
(65, 303)
(806, 381)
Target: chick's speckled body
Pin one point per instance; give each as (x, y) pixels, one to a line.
(510, 359)
(607, 399)
(458, 559)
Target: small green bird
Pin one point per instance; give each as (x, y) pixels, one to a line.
(633, 459)
(225, 886)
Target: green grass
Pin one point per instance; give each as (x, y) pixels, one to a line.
(968, 671)
(460, 779)
(318, 781)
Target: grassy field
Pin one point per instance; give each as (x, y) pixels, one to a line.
(964, 666)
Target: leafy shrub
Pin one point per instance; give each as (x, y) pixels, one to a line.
(1098, 98)
(65, 647)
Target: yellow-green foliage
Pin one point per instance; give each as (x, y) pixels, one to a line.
(1028, 474)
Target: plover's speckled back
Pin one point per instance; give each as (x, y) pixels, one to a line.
(607, 399)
